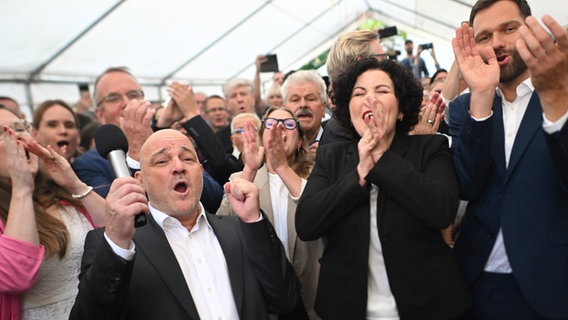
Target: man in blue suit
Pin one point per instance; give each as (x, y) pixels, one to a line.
(120, 101)
(511, 154)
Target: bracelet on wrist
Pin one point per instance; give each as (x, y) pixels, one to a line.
(82, 195)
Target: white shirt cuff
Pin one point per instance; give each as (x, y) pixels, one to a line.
(132, 164)
(296, 199)
(126, 254)
(552, 127)
(483, 119)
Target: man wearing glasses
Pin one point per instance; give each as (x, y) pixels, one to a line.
(215, 112)
(120, 101)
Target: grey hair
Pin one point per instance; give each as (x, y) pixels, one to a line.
(235, 83)
(303, 76)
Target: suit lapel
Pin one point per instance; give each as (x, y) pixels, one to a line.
(156, 249)
(531, 123)
(292, 238)
(400, 144)
(230, 242)
(352, 160)
(261, 180)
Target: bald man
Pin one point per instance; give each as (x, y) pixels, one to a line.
(185, 263)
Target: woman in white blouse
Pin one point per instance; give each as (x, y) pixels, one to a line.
(281, 180)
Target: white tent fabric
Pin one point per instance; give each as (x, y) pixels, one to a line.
(50, 46)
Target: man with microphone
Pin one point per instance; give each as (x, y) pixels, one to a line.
(120, 101)
(185, 263)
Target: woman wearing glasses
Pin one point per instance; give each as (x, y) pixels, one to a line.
(381, 202)
(281, 180)
(43, 222)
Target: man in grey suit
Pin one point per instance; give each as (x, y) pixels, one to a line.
(185, 263)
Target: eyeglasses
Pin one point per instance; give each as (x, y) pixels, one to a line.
(114, 98)
(289, 123)
(19, 127)
(381, 56)
(242, 130)
(239, 131)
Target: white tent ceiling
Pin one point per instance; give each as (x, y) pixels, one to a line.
(47, 47)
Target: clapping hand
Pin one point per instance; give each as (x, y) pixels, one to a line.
(136, 123)
(431, 116)
(275, 154)
(375, 141)
(480, 73)
(547, 61)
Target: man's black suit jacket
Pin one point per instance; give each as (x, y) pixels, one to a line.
(152, 285)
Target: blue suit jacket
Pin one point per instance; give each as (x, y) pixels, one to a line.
(97, 172)
(528, 200)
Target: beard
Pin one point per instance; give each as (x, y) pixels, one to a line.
(513, 69)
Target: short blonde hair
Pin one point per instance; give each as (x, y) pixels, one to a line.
(346, 50)
(255, 119)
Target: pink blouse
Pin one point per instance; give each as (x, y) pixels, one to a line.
(19, 271)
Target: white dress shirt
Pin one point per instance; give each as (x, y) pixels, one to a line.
(202, 262)
(380, 301)
(279, 197)
(513, 113)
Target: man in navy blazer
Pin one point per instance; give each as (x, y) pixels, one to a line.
(120, 101)
(184, 263)
(511, 155)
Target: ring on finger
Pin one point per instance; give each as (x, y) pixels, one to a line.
(430, 122)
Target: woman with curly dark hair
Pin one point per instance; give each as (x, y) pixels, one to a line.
(381, 201)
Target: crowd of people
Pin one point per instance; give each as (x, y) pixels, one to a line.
(422, 197)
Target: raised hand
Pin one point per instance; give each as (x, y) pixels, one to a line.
(482, 77)
(136, 123)
(184, 98)
(260, 59)
(22, 169)
(57, 167)
(253, 151)
(275, 154)
(431, 116)
(548, 63)
(171, 114)
(375, 141)
(243, 196)
(21, 221)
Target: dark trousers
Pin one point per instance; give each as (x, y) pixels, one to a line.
(497, 296)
